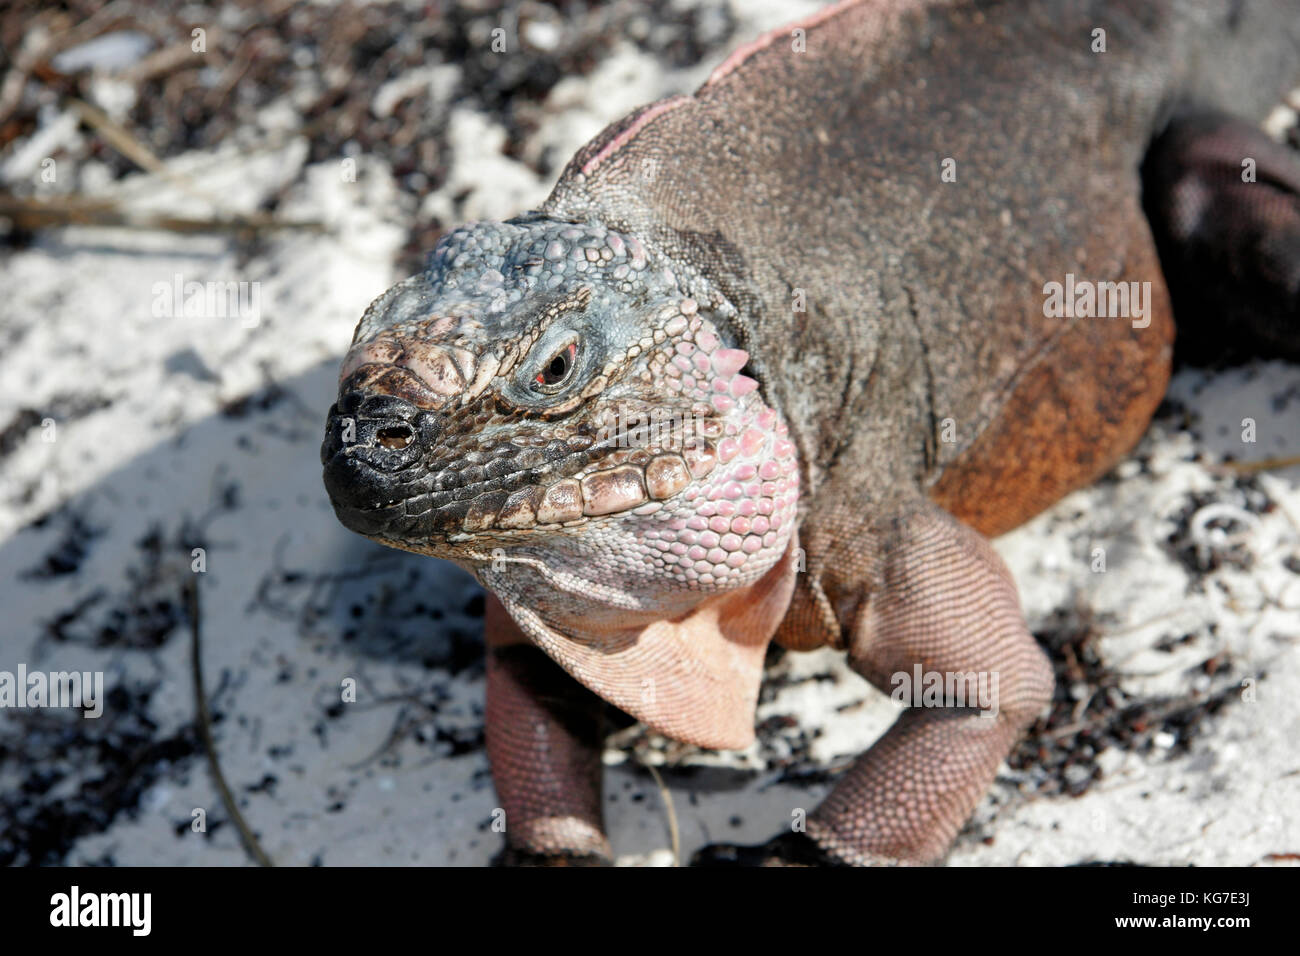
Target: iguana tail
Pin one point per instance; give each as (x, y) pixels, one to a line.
(1224, 204)
(1223, 198)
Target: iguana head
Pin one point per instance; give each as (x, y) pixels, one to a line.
(545, 407)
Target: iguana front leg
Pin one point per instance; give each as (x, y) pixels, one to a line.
(544, 738)
(921, 589)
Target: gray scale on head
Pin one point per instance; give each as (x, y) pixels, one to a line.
(483, 270)
(481, 273)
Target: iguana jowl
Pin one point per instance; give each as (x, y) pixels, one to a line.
(759, 370)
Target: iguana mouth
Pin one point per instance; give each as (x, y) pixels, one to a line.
(390, 472)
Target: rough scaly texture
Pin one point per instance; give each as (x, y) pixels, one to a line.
(758, 368)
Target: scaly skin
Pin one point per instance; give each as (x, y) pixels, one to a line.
(703, 398)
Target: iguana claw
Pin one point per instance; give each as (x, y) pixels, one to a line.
(788, 849)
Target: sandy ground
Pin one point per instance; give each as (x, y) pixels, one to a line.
(172, 432)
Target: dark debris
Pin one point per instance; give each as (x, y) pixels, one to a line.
(1200, 558)
(335, 59)
(62, 408)
(144, 615)
(1091, 714)
(120, 754)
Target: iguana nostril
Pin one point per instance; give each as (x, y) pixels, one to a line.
(395, 436)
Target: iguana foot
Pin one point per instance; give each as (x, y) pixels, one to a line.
(512, 856)
(544, 736)
(788, 849)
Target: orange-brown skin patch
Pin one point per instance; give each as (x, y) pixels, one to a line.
(1070, 418)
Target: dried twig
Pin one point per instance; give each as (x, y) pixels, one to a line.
(118, 137)
(667, 796)
(76, 210)
(1264, 464)
(204, 721)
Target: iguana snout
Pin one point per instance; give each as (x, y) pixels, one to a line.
(374, 456)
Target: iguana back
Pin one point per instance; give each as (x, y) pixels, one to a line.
(879, 298)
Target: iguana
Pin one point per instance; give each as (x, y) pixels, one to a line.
(774, 360)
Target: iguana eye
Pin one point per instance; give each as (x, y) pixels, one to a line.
(557, 371)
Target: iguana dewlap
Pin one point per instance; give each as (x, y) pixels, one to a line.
(774, 358)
